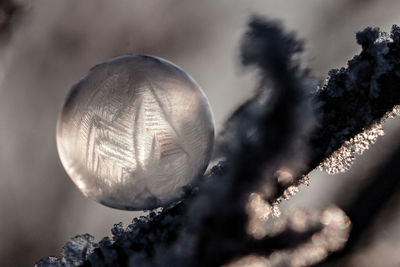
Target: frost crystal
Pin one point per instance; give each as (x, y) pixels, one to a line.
(287, 194)
(342, 159)
(339, 161)
(293, 189)
(290, 191)
(276, 212)
(393, 113)
(305, 179)
(77, 250)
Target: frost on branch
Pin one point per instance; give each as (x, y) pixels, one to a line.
(74, 253)
(266, 150)
(342, 159)
(356, 100)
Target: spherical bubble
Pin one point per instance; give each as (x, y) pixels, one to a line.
(134, 132)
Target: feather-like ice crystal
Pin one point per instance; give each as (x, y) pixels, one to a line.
(134, 132)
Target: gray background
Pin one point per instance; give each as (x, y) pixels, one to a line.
(53, 43)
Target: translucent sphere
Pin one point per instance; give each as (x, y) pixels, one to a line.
(134, 132)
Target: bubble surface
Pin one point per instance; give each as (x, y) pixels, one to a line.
(134, 132)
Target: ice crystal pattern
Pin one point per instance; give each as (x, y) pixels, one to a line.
(134, 132)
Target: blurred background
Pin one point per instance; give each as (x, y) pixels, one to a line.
(46, 46)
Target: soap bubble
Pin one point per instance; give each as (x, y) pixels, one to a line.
(134, 132)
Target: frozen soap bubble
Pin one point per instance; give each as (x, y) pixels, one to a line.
(134, 132)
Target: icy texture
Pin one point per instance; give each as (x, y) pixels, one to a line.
(305, 179)
(357, 98)
(134, 132)
(342, 159)
(291, 189)
(208, 227)
(77, 250)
